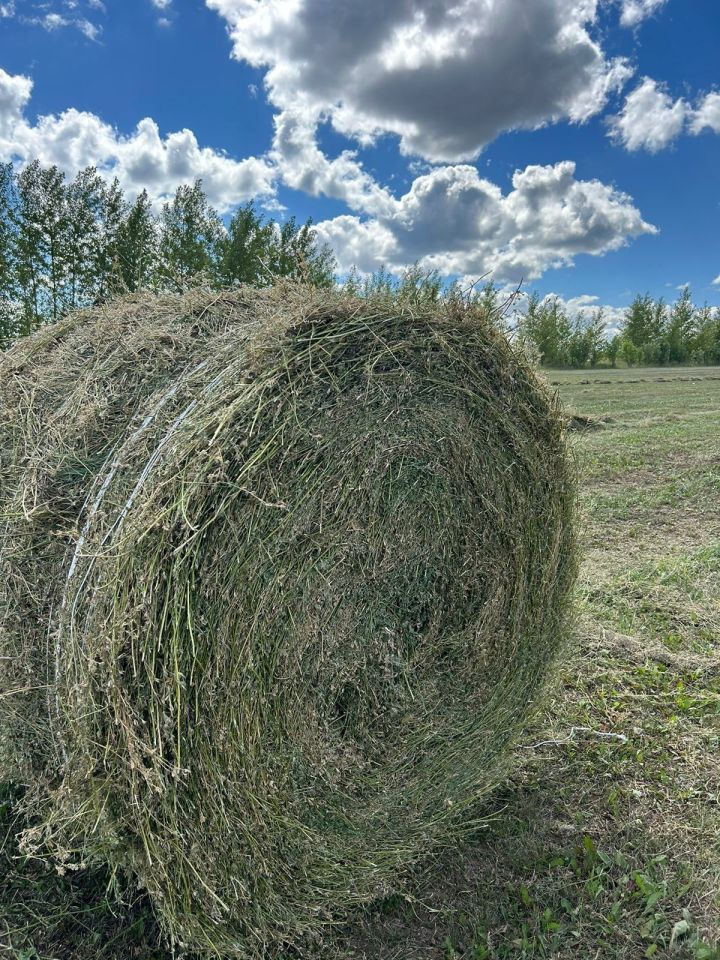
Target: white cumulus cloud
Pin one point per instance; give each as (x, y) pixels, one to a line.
(91, 30)
(453, 220)
(143, 159)
(707, 115)
(305, 167)
(446, 76)
(75, 15)
(634, 12)
(650, 119)
(164, 7)
(53, 21)
(15, 92)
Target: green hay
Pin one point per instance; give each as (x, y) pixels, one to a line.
(282, 574)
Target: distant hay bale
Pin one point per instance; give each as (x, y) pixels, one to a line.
(584, 422)
(281, 575)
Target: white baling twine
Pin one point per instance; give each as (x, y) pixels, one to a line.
(587, 731)
(97, 502)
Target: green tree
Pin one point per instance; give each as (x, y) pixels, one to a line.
(85, 199)
(579, 343)
(680, 328)
(295, 253)
(137, 246)
(631, 354)
(587, 340)
(612, 348)
(546, 327)
(36, 246)
(641, 321)
(107, 267)
(8, 273)
(246, 249)
(705, 342)
(191, 235)
(595, 335)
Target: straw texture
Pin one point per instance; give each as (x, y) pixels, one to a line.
(282, 573)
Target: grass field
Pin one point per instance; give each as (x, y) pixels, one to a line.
(605, 842)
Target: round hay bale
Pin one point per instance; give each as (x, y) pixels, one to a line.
(282, 574)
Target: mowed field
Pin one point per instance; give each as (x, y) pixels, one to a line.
(605, 840)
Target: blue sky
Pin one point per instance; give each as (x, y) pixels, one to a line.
(571, 143)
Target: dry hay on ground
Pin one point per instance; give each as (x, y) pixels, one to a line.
(582, 422)
(281, 575)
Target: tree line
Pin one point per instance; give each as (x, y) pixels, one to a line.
(67, 244)
(651, 333)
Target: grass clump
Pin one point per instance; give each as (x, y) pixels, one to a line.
(282, 573)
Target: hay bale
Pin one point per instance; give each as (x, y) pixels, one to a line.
(282, 573)
(585, 422)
